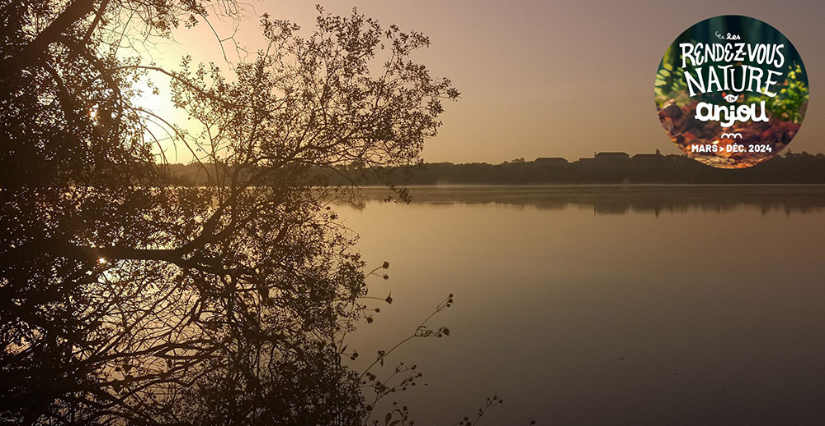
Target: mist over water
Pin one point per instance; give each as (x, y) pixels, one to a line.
(604, 305)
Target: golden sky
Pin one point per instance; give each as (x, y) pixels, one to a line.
(546, 79)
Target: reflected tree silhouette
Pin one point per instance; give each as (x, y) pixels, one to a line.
(125, 299)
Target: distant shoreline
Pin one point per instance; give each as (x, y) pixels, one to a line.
(604, 169)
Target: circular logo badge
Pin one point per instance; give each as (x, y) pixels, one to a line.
(731, 91)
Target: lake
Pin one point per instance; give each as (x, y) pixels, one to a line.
(604, 305)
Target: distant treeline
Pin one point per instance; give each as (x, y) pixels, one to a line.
(604, 168)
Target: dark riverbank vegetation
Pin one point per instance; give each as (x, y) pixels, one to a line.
(605, 167)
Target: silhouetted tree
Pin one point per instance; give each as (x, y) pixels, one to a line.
(127, 300)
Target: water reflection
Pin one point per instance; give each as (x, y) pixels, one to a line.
(619, 199)
(712, 316)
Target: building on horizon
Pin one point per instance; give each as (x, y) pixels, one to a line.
(612, 159)
(551, 161)
(648, 160)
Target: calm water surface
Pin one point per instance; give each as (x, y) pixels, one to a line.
(605, 305)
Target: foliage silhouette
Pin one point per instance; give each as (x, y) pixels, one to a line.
(125, 299)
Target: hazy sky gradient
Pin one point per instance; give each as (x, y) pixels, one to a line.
(552, 78)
